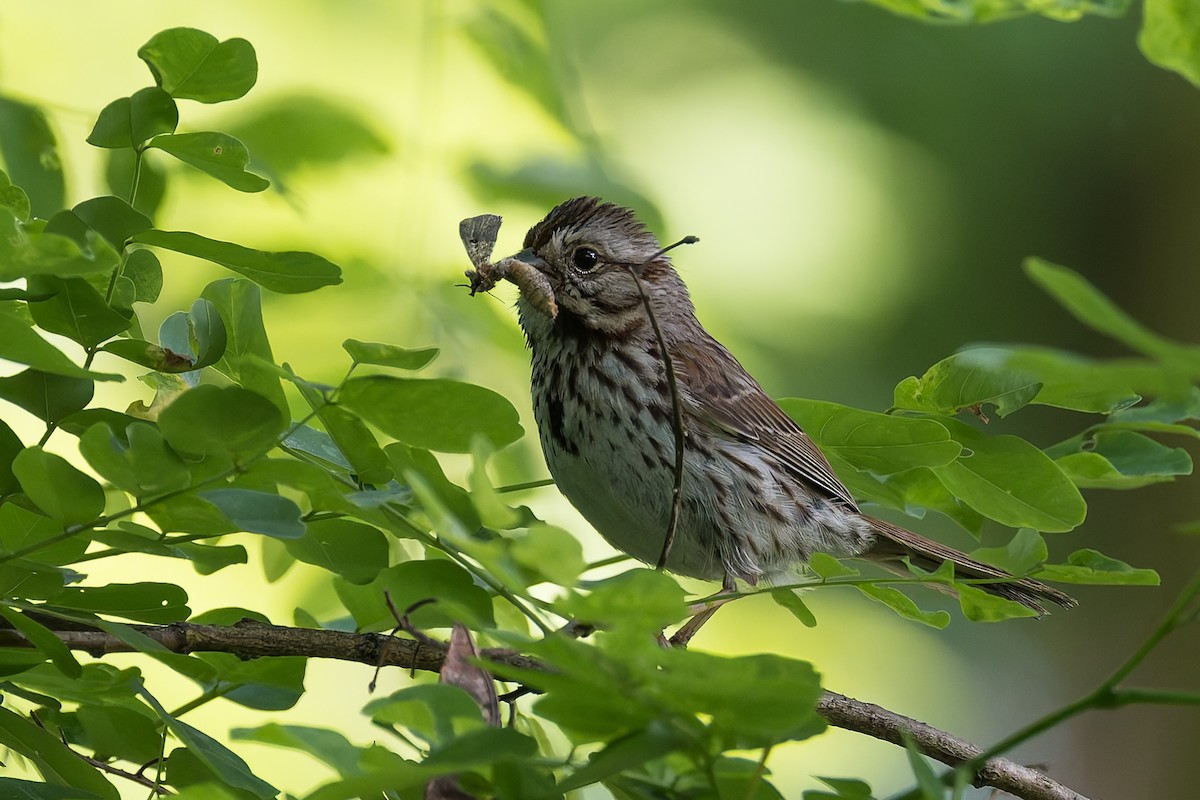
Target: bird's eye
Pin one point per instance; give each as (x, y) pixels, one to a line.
(585, 258)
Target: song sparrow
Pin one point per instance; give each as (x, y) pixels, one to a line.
(758, 497)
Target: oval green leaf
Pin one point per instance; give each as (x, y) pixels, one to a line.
(63, 492)
(229, 419)
(437, 414)
(287, 272)
(217, 154)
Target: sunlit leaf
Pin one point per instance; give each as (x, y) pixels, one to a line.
(217, 154)
(48, 397)
(1092, 566)
(904, 605)
(351, 549)
(226, 419)
(286, 272)
(75, 310)
(144, 602)
(129, 121)
(878, 443)
(1087, 304)
(389, 355)
(247, 357)
(20, 344)
(437, 414)
(980, 606)
(1013, 482)
(189, 63)
(57, 762)
(63, 492)
(1170, 36)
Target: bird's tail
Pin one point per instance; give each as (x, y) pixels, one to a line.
(894, 543)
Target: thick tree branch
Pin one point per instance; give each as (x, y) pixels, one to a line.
(250, 639)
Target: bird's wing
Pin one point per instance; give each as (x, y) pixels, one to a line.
(723, 396)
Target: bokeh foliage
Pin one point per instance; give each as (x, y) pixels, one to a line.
(344, 476)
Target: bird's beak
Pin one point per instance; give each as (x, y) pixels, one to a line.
(532, 259)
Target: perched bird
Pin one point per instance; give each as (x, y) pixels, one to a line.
(758, 497)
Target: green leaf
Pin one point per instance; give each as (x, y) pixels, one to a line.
(1170, 36)
(248, 358)
(30, 153)
(878, 443)
(1024, 553)
(1011, 481)
(481, 747)
(109, 217)
(636, 600)
(44, 640)
(75, 310)
(549, 551)
(352, 437)
(258, 512)
(218, 154)
(57, 762)
(288, 272)
(967, 380)
(351, 549)
(291, 133)
(1076, 383)
(921, 491)
(129, 121)
(1093, 567)
(844, 789)
(142, 464)
(435, 712)
(56, 487)
(757, 699)
(329, 746)
(1124, 459)
(191, 64)
(626, 753)
(1089, 306)
(120, 732)
(459, 598)
(48, 397)
(208, 331)
(437, 414)
(13, 198)
(227, 765)
(229, 419)
(21, 528)
(142, 267)
(826, 567)
(21, 345)
(10, 445)
(792, 601)
(156, 603)
(16, 789)
(389, 355)
(903, 605)
(980, 606)
(150, 355)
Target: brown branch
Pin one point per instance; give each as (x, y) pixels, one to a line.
(249, 639)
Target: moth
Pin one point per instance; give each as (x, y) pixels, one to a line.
(478, 236)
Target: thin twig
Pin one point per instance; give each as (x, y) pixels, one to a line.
(676, 404)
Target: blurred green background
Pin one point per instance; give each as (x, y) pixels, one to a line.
(864, 187)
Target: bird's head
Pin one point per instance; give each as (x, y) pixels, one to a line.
(587, 249)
